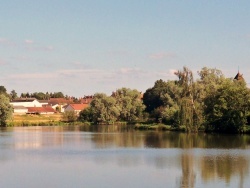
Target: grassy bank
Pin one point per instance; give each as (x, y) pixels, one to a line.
(35, 120)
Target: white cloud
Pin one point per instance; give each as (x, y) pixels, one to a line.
(7, 42)
(49, 48)
(129, 70)
(3, 40)
(172, 71)
(32, 76)
(88, 81)
(162, 55)
(27, 41)
(2, 62)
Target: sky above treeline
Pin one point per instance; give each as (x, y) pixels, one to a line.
(81, 47)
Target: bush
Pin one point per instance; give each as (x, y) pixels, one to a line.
(69, 116)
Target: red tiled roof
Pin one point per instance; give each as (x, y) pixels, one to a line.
(79, 106)
(40, 109)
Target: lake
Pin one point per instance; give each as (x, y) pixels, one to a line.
(119, 156)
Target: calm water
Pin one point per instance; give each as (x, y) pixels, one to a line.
(117, 156)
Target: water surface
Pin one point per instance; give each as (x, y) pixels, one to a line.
(119, 156)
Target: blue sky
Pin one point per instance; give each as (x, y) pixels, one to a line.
(82, 47)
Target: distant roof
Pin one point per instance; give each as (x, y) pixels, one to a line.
(54, 101)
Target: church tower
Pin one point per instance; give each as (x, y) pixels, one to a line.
(239, 77)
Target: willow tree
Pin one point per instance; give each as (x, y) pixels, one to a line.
(190, 113)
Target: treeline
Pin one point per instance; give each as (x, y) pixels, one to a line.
(41, 95)
(210, 103)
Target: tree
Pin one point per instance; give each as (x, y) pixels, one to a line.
(161, 101)
(104, 108)
(130, 104)
(226, 109)
(13, 94)
(152, 97)
(3, 90)
(69, 116)
(190, 114)
(57, 95)
(86, 115)
(5, 109)
(39, 95)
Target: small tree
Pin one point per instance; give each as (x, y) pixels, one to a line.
(69, 116)
(86, 115)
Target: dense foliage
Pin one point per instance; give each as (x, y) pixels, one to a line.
(211, 102)
(124, 105)
(43, 96)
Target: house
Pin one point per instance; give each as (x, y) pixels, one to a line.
(59, 103)
(26, 102)
(77, 108)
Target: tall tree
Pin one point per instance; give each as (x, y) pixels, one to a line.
(5, 109)
(189, 114)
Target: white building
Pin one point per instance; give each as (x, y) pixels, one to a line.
(20, 110)
(26, 102)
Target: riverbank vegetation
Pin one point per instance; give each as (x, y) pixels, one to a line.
(211, 103)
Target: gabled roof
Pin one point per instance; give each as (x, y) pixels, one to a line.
(78, 106)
